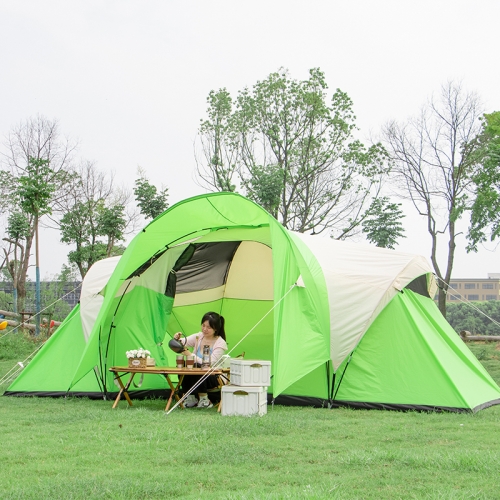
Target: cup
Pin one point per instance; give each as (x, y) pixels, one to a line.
(190, 361)
(180, 361)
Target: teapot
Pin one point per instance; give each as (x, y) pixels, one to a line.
(176, 345)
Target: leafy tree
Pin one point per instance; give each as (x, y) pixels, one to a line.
(84, 225)
(91, 213)
(35, 192)
(219, 136)
(293, 152)
(485, 210)
(264, 186)
(433, 162)
(382, 224)
(37, 168)
(150, 201)
(111, 222)
(18, 230)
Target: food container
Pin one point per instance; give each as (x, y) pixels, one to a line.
(250, 372)
(243, 401)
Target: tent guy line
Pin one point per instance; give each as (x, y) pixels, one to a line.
(44, 309)
(221, 360)
(464, 300)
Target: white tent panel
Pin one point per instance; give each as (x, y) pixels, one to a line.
(361, 280)
(90, 298)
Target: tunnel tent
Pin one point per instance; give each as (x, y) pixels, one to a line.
(343, 324)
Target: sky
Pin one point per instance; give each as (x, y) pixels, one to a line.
(129, 79)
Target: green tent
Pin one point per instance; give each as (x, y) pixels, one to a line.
(343, 324)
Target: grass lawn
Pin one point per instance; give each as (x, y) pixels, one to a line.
(81, 449)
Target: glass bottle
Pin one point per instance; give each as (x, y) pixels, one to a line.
(205, 360)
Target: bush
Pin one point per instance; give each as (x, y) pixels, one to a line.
(463, 316)
(17, 344)
(5, 301)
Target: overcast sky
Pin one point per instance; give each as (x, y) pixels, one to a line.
(129, 79)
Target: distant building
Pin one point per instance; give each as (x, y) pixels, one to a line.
(475, 289)
(70, 292)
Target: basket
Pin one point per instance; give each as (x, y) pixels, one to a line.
(137, 362)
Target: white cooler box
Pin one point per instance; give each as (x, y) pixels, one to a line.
(250, 372)
(244, 401)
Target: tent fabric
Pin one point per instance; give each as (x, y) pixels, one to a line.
(410, 333)
(342, 323)
(90, 295)
(365, 282)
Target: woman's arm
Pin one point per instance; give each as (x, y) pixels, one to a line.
(220, 347)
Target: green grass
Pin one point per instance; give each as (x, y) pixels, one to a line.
(489, 355)
(81, 449)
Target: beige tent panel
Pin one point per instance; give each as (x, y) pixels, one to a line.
(251, 273)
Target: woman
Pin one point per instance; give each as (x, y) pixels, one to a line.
(212, 334)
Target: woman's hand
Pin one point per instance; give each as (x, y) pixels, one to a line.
(177, 336)
(186, 352)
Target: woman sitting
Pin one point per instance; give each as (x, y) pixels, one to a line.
(212, 334)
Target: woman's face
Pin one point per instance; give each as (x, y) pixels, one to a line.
(207, 330)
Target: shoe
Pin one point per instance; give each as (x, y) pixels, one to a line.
(190, 401)
(204, 403)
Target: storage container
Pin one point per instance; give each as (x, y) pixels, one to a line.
(243, 401)
(137, 362)
(250, 372)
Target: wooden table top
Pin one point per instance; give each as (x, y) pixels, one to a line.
(169, 370)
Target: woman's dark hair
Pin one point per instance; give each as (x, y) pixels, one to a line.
(216, 321)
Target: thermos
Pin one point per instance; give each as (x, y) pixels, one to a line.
(205, 360)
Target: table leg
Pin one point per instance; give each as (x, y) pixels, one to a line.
(123, 389)
(174, 391)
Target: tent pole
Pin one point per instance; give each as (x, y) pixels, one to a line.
(332, 385)
(103, 371)
(343, 373)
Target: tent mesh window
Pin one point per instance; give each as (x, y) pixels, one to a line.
(207, 268)
(419, 285)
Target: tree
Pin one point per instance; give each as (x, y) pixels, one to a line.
(485, 210)
(382, 224)
(92, 212)
(433, 161)
(18, 230)
(35, 191)
(219, 135)
(37, 167)
(151, 203)
(292, 152)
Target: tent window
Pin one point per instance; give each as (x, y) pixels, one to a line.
(172, 277)
(207, 268)
(419, 285)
